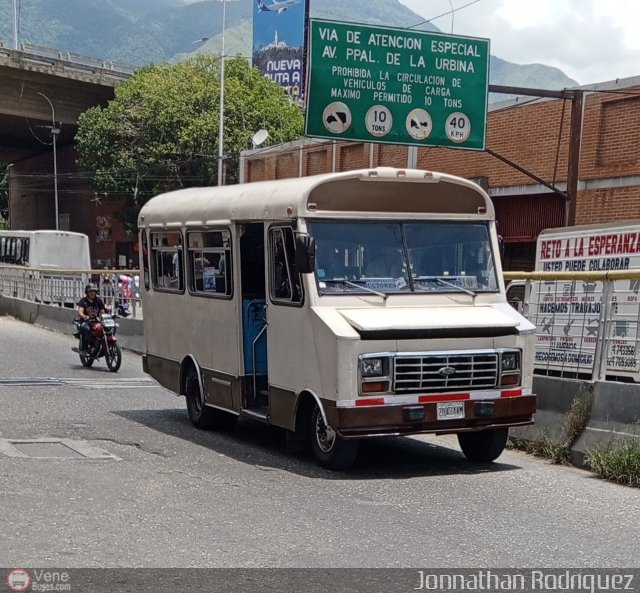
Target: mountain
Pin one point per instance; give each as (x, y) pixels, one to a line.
(141, 32)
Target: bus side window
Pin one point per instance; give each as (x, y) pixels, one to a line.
(285, 282)
(167, 270)
(208, 252)
(145, 259)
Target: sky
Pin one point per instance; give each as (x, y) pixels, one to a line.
(589, 40)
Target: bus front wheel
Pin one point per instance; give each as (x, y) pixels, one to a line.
(484, 445)
(329, 450)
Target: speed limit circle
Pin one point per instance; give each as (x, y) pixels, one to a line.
(378, 120)
(458, 127)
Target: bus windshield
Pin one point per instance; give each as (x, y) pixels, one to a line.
(403, 257)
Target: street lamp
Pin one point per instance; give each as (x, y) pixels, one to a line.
(54, 135)
(15, 25)
(221, 108)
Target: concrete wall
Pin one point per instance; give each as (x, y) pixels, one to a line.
(130, 334)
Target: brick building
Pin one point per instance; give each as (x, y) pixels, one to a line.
(531, 133)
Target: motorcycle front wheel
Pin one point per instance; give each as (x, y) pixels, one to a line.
(86, 361)
(113, 357)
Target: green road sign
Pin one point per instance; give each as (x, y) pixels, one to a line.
(397, 86)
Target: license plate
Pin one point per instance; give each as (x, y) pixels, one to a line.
(450, 411)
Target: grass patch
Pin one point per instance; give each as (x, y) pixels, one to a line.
(559, 451)
(543, 446)
(617, 462)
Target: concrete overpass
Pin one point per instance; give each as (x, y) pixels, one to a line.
(72, 83)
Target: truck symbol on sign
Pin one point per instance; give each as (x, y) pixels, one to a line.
(336, 117)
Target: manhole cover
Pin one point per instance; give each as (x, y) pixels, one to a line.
(50, 448)
(47, 450)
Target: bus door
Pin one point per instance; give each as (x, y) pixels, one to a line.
(289, 336)
(254, 314)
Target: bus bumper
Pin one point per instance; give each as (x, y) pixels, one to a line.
(405, 419)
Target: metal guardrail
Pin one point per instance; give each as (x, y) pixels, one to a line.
(64, 62)
(587, 323)
(66, 287)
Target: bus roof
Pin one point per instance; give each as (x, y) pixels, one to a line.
(380, 191)
(41, 232)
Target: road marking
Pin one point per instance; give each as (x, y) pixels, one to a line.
(85, 383)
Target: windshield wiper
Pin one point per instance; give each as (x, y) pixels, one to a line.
(380, 294)
(471, 292)
(416, 284)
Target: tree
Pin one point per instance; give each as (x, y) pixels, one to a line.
(160, 132)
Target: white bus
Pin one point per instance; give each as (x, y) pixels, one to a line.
(339, 307)
(54, 250)
(45, 265)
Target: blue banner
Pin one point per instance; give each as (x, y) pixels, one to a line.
(278, 42)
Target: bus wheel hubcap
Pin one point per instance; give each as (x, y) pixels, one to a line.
(325, 435)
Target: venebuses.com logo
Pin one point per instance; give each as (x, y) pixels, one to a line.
(18, 580)
(38, 580)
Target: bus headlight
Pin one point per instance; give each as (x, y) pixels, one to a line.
(510, 361)
(375, 374)
(371, 367)
(510, 368)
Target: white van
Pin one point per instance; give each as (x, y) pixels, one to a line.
(339, 307)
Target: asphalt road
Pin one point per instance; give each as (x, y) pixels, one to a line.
(168, 495)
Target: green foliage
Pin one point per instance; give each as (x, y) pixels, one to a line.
(617, 462)
(558, 451)
(161, 130)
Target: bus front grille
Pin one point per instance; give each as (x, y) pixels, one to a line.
(434, 373)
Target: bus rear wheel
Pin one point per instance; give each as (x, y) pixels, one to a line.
(329, 450)
(202, 416)
(484, 445)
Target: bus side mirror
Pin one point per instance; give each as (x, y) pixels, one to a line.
(305, 253)
(501, 247)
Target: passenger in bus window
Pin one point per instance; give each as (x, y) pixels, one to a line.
(199, 264)
(177, 279)
(165, 272)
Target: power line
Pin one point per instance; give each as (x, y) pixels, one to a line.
(452, 11)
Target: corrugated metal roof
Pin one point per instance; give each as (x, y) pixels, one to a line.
(520, 219)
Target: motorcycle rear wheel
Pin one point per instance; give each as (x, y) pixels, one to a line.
(113, 357)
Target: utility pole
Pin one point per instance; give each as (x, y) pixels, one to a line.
(221, 130)
(54, 135)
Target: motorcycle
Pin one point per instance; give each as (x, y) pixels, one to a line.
(102, 342)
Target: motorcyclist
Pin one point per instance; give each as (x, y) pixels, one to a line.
(89, 308)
